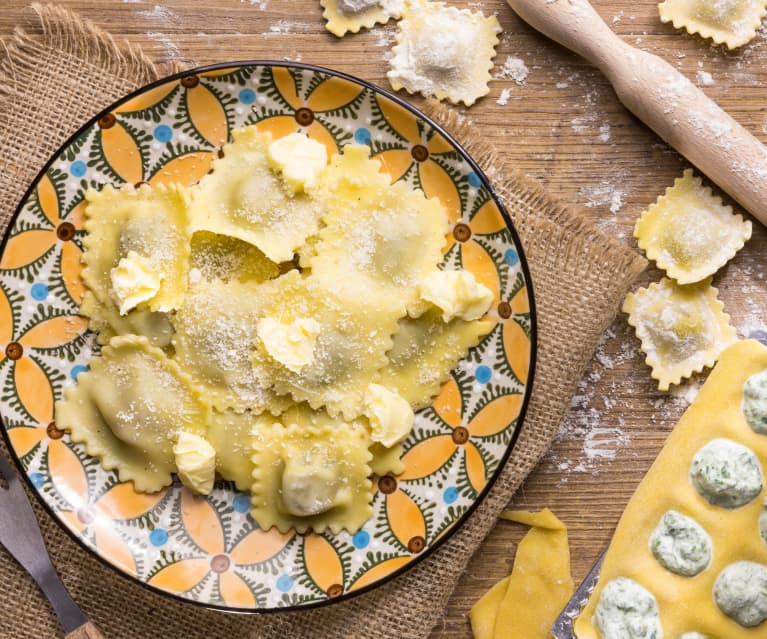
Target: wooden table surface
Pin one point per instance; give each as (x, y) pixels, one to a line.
(563, 126)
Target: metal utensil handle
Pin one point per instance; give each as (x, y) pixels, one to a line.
(563, 626)
(662, 98)
(20, 534)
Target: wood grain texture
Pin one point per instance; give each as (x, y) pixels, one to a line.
(563, 126)
(87, 631)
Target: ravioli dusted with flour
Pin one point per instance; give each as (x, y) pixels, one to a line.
(349, 16)
(732, 22)
(275, 325)
(683, 328)
(444, 52)
(689, 233)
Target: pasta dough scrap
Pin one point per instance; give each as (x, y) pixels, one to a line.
(150, 221)
(244, 197)
(733, 22)
(424, 352)
(683, 329)
(689, 233)
(311, 477)
(444, 52)
(349, 348)
(526, 603)
(344, 16)
(129, 408)
(686, 603)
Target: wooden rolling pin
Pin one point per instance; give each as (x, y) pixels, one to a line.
(662, 98)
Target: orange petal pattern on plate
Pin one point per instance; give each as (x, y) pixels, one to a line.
(437, 183)
(487, 219)
(76, 216)
(427, 456)
(405, 517)
(25, 438)
(114, 546)
(520, 303)
(279, 126)
(495, 416)
(148, 99)
(123, 502)
(284, 83)
(400, 119)
(477, 260)
(318, 132)
(202, 523)
(259, 545)
(68, 474)
(26, 247)
(449, 404)
(475, 468)
(6, 321)
(395, 162)
(71, 267)
(332, 94)
(322, 562)
(380, 571)
(33, 389)
(182, 575)
(54, 332)
(122, 153)
(49, 200)
(516, 346)
(438, 144)
(72, 521)
(207, 114)
(235, 592)
(185, 169)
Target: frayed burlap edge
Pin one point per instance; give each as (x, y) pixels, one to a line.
(579, 277)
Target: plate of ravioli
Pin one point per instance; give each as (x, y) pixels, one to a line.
(268, 336)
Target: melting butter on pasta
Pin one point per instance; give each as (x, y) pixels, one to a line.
(221, 358)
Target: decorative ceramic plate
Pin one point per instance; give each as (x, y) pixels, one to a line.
(210, 551)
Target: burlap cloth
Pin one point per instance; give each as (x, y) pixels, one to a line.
(64, 71)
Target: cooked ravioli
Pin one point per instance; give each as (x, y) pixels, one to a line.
(311, 477)
(244, 197)
(129, 408)
(689, 233)
(682, 328)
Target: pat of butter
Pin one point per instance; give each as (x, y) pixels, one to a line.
(292, 345)
(391, 416)
(300, 159)
(310, 488)
(134, 281)
(196, 462)
(457, 293)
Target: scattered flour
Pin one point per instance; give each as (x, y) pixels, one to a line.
(604, 134)
(514, 69)
(159, 13)
(503, 99)
(704, 78)
(260, 4)
(172, 51)
(604, 194)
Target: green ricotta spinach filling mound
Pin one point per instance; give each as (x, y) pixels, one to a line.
(726, 474)
(627, 610)
(740, 592)
(680, 544)
(754, 406)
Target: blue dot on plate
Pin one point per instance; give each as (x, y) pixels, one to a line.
(247, 96)
(158, 537)
(474, 180)
(163, 133)
(76, 370)
(483, 374)
(362, 136)
(511, 257)
(39, 291)
(241, 503)
(284, 583)
(37, 480)
(361, 539)
(78, 168)
(450, 495)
